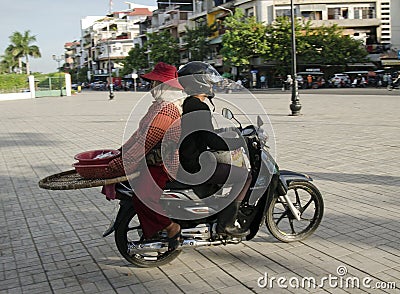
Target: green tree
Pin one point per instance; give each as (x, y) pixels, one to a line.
(7, 63)
(279, 36)
(244, 39)
(136, 60)
(163, 47)
(196, 40)
(324, 45)
(328, 45)
(21, 47)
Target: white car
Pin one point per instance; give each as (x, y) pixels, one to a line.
(337, 78)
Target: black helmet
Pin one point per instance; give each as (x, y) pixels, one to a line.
(198, 77)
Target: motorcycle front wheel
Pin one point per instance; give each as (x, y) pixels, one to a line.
(282, 223)
(129, 230)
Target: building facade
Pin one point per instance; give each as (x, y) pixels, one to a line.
(109, 39)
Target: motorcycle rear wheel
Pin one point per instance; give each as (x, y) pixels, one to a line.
(281, 222)
(129, 230)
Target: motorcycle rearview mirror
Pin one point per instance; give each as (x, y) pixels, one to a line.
(260, 122)
(227, 113)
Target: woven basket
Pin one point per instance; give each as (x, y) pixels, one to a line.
(71, 180)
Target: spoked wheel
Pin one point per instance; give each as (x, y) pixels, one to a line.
(129, 230)
(282, 223)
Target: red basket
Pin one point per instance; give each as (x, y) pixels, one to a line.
(91, 171)
(89, 157)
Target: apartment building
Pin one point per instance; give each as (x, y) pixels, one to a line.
(107, 40)
(111, 37)
(369, 20)
(72, 54)
(391, 58)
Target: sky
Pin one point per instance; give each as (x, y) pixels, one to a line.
(53, 22)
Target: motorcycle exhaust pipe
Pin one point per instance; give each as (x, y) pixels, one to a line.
(162, 246)
(191, 243)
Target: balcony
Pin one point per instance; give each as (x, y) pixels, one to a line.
(348, 23)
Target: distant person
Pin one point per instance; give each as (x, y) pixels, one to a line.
(363, 82)
(385, 79)
(239, 84)
(378, 81)
(263, 81)
(309, 81)
(289, 82)
(355, 83)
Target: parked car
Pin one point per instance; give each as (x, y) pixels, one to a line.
(99, 86)
(337, 80)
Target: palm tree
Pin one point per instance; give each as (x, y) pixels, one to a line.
(21, 47)
(7, 63)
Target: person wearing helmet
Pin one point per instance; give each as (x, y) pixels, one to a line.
(197, 136)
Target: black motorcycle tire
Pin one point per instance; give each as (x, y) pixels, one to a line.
(288, 234)
(142, 260)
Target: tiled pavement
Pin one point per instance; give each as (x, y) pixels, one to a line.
(50, 241)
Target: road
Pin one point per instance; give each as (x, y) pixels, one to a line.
(338, 91)
(51, 241)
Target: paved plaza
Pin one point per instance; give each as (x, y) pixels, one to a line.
(51, 241)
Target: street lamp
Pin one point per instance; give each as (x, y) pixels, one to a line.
(109, 69)
(226, 9)
(58, 59)
(295, 106)
(110, 82)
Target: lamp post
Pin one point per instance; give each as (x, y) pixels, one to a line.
(110, 81)
(226, 9)
(109, 69)
(58, 59)
(295, 106)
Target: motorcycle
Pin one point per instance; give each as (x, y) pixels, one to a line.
(288, 203)
(394, 85)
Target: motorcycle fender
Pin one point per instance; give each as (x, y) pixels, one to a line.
(286, 177)
(259, 218)
(124, 207)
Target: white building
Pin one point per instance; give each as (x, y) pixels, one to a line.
(107, 40)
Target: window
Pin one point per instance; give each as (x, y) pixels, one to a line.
(283, 12)
(364, 12)
(249, 12)
(312, 15)
(338, 13)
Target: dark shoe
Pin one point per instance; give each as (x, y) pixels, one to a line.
(226, 221)
(174, 236)
(234, 232)
(173, 242)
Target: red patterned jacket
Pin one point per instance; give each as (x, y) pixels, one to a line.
(161, 120)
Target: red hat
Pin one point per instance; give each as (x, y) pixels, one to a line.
(164, 73)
